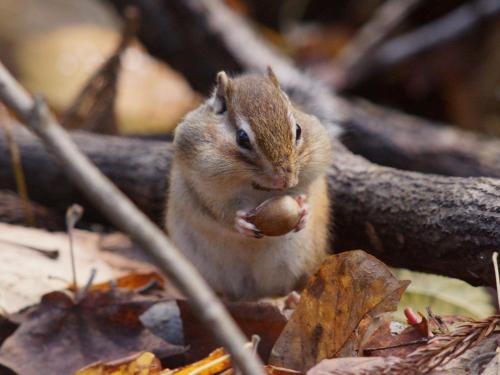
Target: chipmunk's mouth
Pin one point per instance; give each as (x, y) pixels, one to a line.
(256, 186)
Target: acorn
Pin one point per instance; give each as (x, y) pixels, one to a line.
(276, 216)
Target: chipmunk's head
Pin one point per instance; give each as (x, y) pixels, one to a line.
(265, 136)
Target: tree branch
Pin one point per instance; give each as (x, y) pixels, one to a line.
(356, 57)
(440, 31)
(122, 213)
(397, 140)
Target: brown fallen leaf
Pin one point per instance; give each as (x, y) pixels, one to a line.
(382, 343)
(132, 281)
(144, 363)
(419, 322)
(347, 289)
(26, 275)
(7, 327)
(273, 370)
(351, 365)
(263, 318)
(60, 336)
(216, 362)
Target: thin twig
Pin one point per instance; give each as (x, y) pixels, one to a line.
(497, 277)
(51, 254)
(17, 167)
(73, 214)
(401, 345)
(125, 216)
(438, 321)
(88, 285)
(357, 55)
(440, 31)
(439, 350)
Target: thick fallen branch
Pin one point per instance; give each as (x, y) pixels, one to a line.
(425, 222)
(125, 161)
(187, 32)
(402, 141)
(121, 212)
(12, 211)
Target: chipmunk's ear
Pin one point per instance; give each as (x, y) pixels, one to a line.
(221, 93)
(272, 77)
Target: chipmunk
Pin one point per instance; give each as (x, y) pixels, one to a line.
(245, 144)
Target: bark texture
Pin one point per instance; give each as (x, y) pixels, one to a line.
(138, 167)
(428, 223)
(12, 212)
(394, 139)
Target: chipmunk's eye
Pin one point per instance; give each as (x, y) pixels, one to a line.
(243, 140)
(298, 132)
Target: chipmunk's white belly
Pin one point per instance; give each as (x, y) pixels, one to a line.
(240, 267)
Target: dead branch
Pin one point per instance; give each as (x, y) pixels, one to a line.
(356, 57)
(397, 140)
(122, 213)
(186, 32)
(442, 30)
(12, 211)
(18, 168)
(425, 222)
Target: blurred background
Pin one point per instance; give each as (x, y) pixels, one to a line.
(450, 72)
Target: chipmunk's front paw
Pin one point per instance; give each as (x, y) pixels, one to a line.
(243, 226)
(304, 211)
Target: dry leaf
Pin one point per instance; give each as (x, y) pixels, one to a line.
(151, 97)
(133, 281)
(60, 336)
(7, 327)
(350, 366)
(263, 318)
(25, 275)
(214, 363)
(273, 370)
(384, 344)
(347, 288)
(137, 364)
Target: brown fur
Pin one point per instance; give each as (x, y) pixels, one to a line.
(263, 105)
(212, 178)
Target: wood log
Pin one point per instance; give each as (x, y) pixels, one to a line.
(12, 212)
(391, 138)
(139, 168)
(424, 222)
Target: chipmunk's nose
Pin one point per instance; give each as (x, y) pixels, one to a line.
(284, 178)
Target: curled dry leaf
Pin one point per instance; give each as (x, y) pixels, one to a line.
(335, 308)
(133, 281)
(60, 336)
(276, 216)
(273, 370)
(144, 363)
(214, 363)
